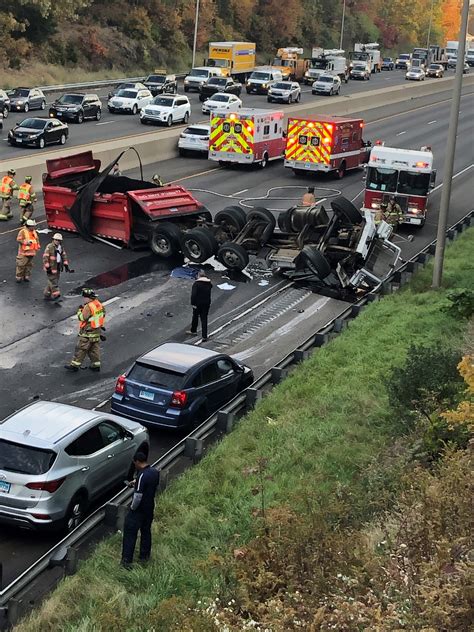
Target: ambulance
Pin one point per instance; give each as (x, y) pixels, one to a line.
(327, 144)
(249, 136)
(405, 174)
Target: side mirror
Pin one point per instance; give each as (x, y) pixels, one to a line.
(433, 179)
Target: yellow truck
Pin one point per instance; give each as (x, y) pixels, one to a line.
(236, 59)
(290, 63)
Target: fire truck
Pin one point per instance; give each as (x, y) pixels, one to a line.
(328, 144)
(249, 136)
(405, 174)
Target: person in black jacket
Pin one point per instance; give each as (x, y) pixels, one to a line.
(201, 302)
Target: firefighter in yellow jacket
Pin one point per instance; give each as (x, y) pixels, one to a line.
(28, 246)
(91, 318)
(7, 186)
(26, 199)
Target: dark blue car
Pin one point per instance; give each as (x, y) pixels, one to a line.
(178, 385)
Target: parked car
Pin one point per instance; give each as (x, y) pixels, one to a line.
(161, 83)
(360, 71)
(387, 63)
(285, 92)
(25, 99)
(51, 471)
(219, 84)
(166, 110)
(77, 107)
(327, 84)
(435, 70)
(403, 61)
(195, 138)
(130, 101)
(38, 132)
(128, 85)
(4, 103)
(415, 74)
(221, 101)
(178, 385)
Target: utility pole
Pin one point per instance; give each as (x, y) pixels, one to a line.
(342, 23)
(429, 28)
(450, 149)
(196, 20)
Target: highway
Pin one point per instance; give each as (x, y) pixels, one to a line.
(145, 306)
(117, 125)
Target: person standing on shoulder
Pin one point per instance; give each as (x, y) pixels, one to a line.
(140, 514)
(7, 186)
(26, 199)
(54, 262)
(29, 245)
(308, 198)
(201, 302)
(91, 318)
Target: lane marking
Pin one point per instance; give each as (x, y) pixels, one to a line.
(106, 122)
(111, 300)
(15, 230)
(401, 133)
(201, 173)
(431, 122)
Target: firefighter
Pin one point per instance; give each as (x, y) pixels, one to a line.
(7, 186)
(26, 198)
(156, 179)
(29, 245)
(91, 318)
(54, 262)
(392, 212)
(116, 170)
(308, 198)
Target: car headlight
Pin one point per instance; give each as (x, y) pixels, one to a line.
(415, 211)
(375, 205)
(186, 81)
(20, 102)
(264, 85)
(10, 133)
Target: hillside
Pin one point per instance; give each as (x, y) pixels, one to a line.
(108, 36)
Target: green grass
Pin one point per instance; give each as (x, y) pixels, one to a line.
(320, 429)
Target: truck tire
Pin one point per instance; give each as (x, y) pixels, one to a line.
(233, 256)
(197, 245)
(315, 261)
(346, 211)
(284, 221)
(165, 240)
(262, 215)
(341, 171)
(264, 161)
(233, 216)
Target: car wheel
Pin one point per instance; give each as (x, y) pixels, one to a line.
(186, 89)
(165, 240)
(264, 161)
(346, 211)
(98, 115)
(169, 121)
(181, 151)
(186, 118)
(76, 512)
(298, 98)
(62, 140)
(198, 245)
(233, 256)
(315, 261)
(331, 92)
(290, 100)
(134, 109)
(80, 118)
(43, 105)
(41, 143)
(232, 219)
(26, 108)
(143, 121)
(5, 112)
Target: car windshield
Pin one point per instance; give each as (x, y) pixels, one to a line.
(435, 66)
(318, 65)
(157, 78)
(154, 376)
(220, 97)
(387, 59)
(198, 73)
(404, 56)
(127, 94)
(416, 71)
(75, 99)
(15, 457)
(196, 131)
(413, 183)
(379, 179)
(359, 67)
(167, 102)
(325, 79)
(265, 76)
(19, 92)
(217, 81)
(33, 123)
(282, 85)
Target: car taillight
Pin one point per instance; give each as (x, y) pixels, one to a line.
(41, 516)
(120, 385)
(182, 135)
(205, 138)
(47, 486)
(178, 399)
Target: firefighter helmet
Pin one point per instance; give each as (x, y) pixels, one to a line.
(88, 293)
(28, 178)
(58, 236)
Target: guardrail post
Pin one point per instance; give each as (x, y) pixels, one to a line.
(193, 449)
(339, 325)
(301, 356)
(12, 612)
(70, 566)
(225, 421)
(451, 234)
(164, 479)
(115, 515)
(386, 288)
(357, 309)
(278, 374)
(320, 339)
(423, 258)
(432, 249)
(253, 395)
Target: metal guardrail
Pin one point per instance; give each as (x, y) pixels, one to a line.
(192, 445)
(95, 84)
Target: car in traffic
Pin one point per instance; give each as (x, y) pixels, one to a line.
(435, 70)
(222, 101)
(198, 76)
(38, 132)
(178, 385)
(4, 103)
(261, 79)
(284, 92)
(51, 471)
(131, 101)
(161, 84)
(76, 107)
(360, 71)
(127, 85)
(1, 120)
(415, 74)
(327, 84)
(26, 99)
(194, 138)
(166, 110)
(219, 84)
(466, 68)
(403, 61)
(387, 64)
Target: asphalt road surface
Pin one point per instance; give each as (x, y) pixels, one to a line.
(145, 306)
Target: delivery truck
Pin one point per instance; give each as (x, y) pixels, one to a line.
(236, 59)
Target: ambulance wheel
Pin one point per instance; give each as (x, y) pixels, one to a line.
(264, 161)
(165, 240)
(233, 216)
(341, 172)
(233, 256)
(198, 245)
(346, 211)
(315, 261)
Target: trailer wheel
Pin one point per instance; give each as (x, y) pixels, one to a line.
(165, 240)
(315, 261)
(346, 211)
(284, 221)
(233, 256)
(233, 217)
(197, 245)
(262, 215)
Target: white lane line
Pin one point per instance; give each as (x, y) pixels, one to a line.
(431, 122)
(400, 133)
(111, 300)
(239, 192)
(456, 175)
(106, 122)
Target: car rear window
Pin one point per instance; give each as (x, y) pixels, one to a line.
(15, 457)
(196, 131)
(156, 377)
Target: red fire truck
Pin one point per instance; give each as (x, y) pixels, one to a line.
(405, 174)
(325, 144)
(249, 136)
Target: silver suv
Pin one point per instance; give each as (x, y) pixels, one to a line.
(55, 459)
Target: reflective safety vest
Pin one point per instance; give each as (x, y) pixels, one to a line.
(29, 242)
(25, 194)
(96, 319)
(7, 186)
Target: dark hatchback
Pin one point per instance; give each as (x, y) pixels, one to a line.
(219, 84)
(178, 386)
(161, 84)
(38, 132)
(76, 107)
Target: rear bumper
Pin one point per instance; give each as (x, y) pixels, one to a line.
(24, 519)
(222, 156)
(308, 166)
(175, 420)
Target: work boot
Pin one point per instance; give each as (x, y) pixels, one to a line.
(191, 333)
(126, 565)
(18, 280)
(71, 369)
(95, 368)
(26, 279)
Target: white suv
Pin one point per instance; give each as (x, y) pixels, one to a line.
(166, 110)
(327, 84)
(129, 100)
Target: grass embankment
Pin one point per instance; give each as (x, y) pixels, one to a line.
(322, 444)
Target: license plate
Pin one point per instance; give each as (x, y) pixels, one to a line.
(4, 487)
(147, 395)
(59, 113)
(414, 220)
(19, 140)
